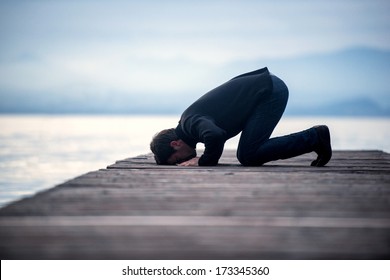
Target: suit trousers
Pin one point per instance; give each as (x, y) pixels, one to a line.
(256, 147)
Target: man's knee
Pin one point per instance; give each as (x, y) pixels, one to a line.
(249, 159)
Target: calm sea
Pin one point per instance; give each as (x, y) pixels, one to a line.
(39, 152)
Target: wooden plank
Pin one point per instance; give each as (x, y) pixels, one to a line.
(342, 161)
(198, 221)
(193, 242)
(137, 210)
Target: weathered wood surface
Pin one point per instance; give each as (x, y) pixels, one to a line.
(135, 209)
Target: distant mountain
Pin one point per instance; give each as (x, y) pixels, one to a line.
(351, 107)
(350, 82)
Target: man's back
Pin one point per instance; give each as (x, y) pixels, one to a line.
(230, 104)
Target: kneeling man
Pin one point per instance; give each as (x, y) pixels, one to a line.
(251, 103)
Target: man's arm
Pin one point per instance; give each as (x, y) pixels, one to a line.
(213, 138)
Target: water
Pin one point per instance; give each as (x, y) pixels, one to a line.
(39, 152)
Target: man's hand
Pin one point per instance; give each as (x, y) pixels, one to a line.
(191, 162)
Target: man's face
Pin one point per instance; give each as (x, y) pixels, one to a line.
(182, 153)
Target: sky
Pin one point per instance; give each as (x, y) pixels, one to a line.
(73, 47)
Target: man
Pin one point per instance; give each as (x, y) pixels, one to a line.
(251, 103)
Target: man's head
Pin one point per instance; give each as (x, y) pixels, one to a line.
(169, 149)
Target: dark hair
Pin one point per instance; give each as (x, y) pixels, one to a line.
(161, 145)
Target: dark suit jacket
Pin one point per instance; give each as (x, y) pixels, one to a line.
(222, 113)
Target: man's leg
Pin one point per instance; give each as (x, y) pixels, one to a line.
(256, 147)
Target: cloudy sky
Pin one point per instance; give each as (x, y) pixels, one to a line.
(166, 46)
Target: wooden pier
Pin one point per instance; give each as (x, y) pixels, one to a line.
(135, 209)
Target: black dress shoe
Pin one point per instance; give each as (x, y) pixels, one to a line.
(323, 149)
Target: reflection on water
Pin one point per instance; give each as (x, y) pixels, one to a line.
(38, 152)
